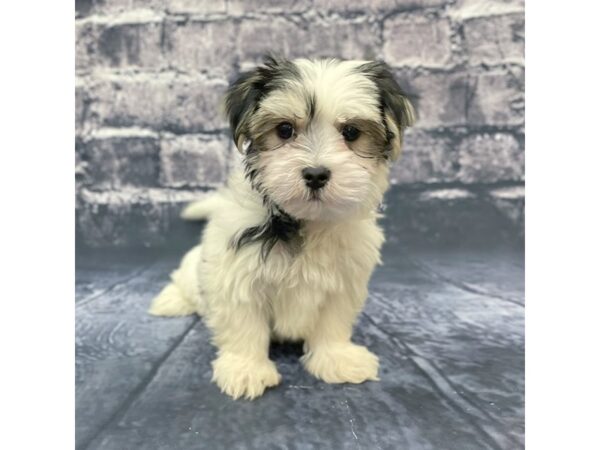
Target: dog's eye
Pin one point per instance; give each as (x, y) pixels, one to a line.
(350, 133)
(285, 130)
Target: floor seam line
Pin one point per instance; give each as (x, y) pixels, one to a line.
(411, 354)
(462, 285)
(140, 388)
(91, 298)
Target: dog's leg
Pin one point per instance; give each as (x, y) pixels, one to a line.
(329, 353)
(181, 297)
(171, 302)
(243, 367)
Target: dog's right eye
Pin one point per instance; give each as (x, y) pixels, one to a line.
(350, 133)
(285, 130)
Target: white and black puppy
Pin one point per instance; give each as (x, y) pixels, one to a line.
(292, 238)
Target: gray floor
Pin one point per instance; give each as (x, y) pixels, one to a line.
(447, 322)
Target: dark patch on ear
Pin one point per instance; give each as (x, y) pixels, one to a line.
(389, 135)
(243, 97)
(392, 96)
(279, 226)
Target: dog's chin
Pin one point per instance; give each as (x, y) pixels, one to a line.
(317, 208)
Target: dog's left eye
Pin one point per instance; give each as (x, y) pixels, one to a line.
(285, 130)
(350, 133)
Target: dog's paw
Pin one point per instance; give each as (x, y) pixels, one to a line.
(171, 303)
(239, 376)
(342, 363)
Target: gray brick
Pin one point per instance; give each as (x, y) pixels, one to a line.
(207, 47)
(466, 99)
(162, 102)
(345, 39)
(425, 159)
(116, 158)
(440, 98)
(131, 45)
(256, 37)
(489, 158)
(194, 160)
(85, 46)
(411, 40)
(495, 40)
(481, 158)
(196, 6)
(498, 99)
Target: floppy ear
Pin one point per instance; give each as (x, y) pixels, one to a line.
(241, 100)
(244, 95)
(397, 111)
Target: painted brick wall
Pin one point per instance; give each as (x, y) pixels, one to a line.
(150, 75)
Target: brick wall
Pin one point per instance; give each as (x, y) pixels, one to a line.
(150, 75)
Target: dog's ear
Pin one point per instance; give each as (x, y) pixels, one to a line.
(241, 101)
(397, 110)
(243, 97)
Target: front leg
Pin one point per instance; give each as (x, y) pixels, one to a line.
(329, 353)
(242, 367)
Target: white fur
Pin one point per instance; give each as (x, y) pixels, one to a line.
(200, 210)
(314, 294)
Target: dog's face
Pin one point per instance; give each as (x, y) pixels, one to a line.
(317, 135)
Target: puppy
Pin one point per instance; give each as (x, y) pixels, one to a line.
(292, 238)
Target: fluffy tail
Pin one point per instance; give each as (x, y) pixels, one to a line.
(202, 209)
(181, 297)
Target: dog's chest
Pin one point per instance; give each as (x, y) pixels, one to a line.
(331, 262)
(326, 259)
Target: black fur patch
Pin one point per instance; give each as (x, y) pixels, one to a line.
(391, 94)
(244, 96)
(279, 226)
(389, 136)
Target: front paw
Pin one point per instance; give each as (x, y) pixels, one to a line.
(240, 376)
(342, 363)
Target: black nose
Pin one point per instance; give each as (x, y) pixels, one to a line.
(316, 177)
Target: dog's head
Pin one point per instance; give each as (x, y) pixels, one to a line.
(317, 135)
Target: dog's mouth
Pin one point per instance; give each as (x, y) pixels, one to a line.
(314, 196)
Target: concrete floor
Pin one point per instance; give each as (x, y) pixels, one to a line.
(447, 323)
